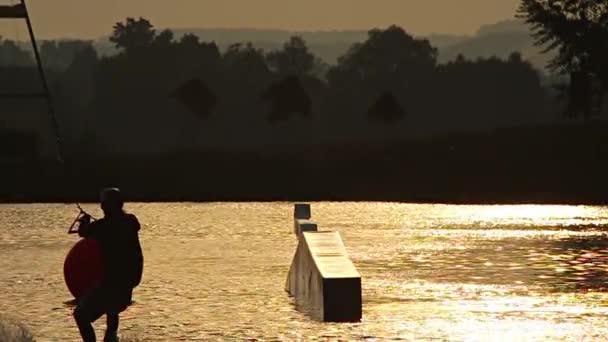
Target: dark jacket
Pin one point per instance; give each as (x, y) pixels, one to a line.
(118, 240)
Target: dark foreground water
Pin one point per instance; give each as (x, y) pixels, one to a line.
(430, 272)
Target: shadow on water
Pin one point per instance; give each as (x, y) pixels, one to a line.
(72, 303)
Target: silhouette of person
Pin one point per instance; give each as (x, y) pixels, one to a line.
(117, 237)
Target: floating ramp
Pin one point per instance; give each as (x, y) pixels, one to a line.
(322, 278)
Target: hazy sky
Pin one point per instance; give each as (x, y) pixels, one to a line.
(93, 18)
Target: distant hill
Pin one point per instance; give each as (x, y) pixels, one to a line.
(504, 26)
(500, 39)
(442, 41)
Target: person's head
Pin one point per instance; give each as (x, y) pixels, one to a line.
(111, 201)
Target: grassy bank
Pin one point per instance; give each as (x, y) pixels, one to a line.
(543, 164)
(11, 331)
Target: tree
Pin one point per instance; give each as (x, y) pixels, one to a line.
(59, 55)
(15, 144)
(389, 61)
(578, 30)
(244, 67)
(197, 97)
(163, 40)
(244, 57)
(244, 78)
(203, 56)
(288, 97)
(386, 109)
(80, 75)
(390, 55)
(133, 34)
(13, 55)
(486, 92)
(293, 59)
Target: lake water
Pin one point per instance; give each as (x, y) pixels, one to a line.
(430, 272)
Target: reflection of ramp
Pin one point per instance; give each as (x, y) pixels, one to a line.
(322, 278)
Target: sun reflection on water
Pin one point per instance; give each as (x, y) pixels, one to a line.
(534, 212)
(430, 272)
(527, 215)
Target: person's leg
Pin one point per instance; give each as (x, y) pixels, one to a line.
(112, 320)
(88, 309)
(118, 301)
(84, 326)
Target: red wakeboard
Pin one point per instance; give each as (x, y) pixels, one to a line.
(83, 267)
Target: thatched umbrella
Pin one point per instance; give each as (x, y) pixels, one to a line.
(386, 109)
(287, 97)
(197, 97)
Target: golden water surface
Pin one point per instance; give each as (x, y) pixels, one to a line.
(430, 272)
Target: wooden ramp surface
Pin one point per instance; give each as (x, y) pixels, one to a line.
(330, 255)
(323, 278)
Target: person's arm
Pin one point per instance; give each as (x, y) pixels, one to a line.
(134, 222)
(139, 257)
(86, 227)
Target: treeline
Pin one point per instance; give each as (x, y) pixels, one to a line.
(181, 119)
(163, 94)
(57, 55)
(536, 164)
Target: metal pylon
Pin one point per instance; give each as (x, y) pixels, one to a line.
(19, 11)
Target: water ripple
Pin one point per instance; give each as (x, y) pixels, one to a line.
(430, 272)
